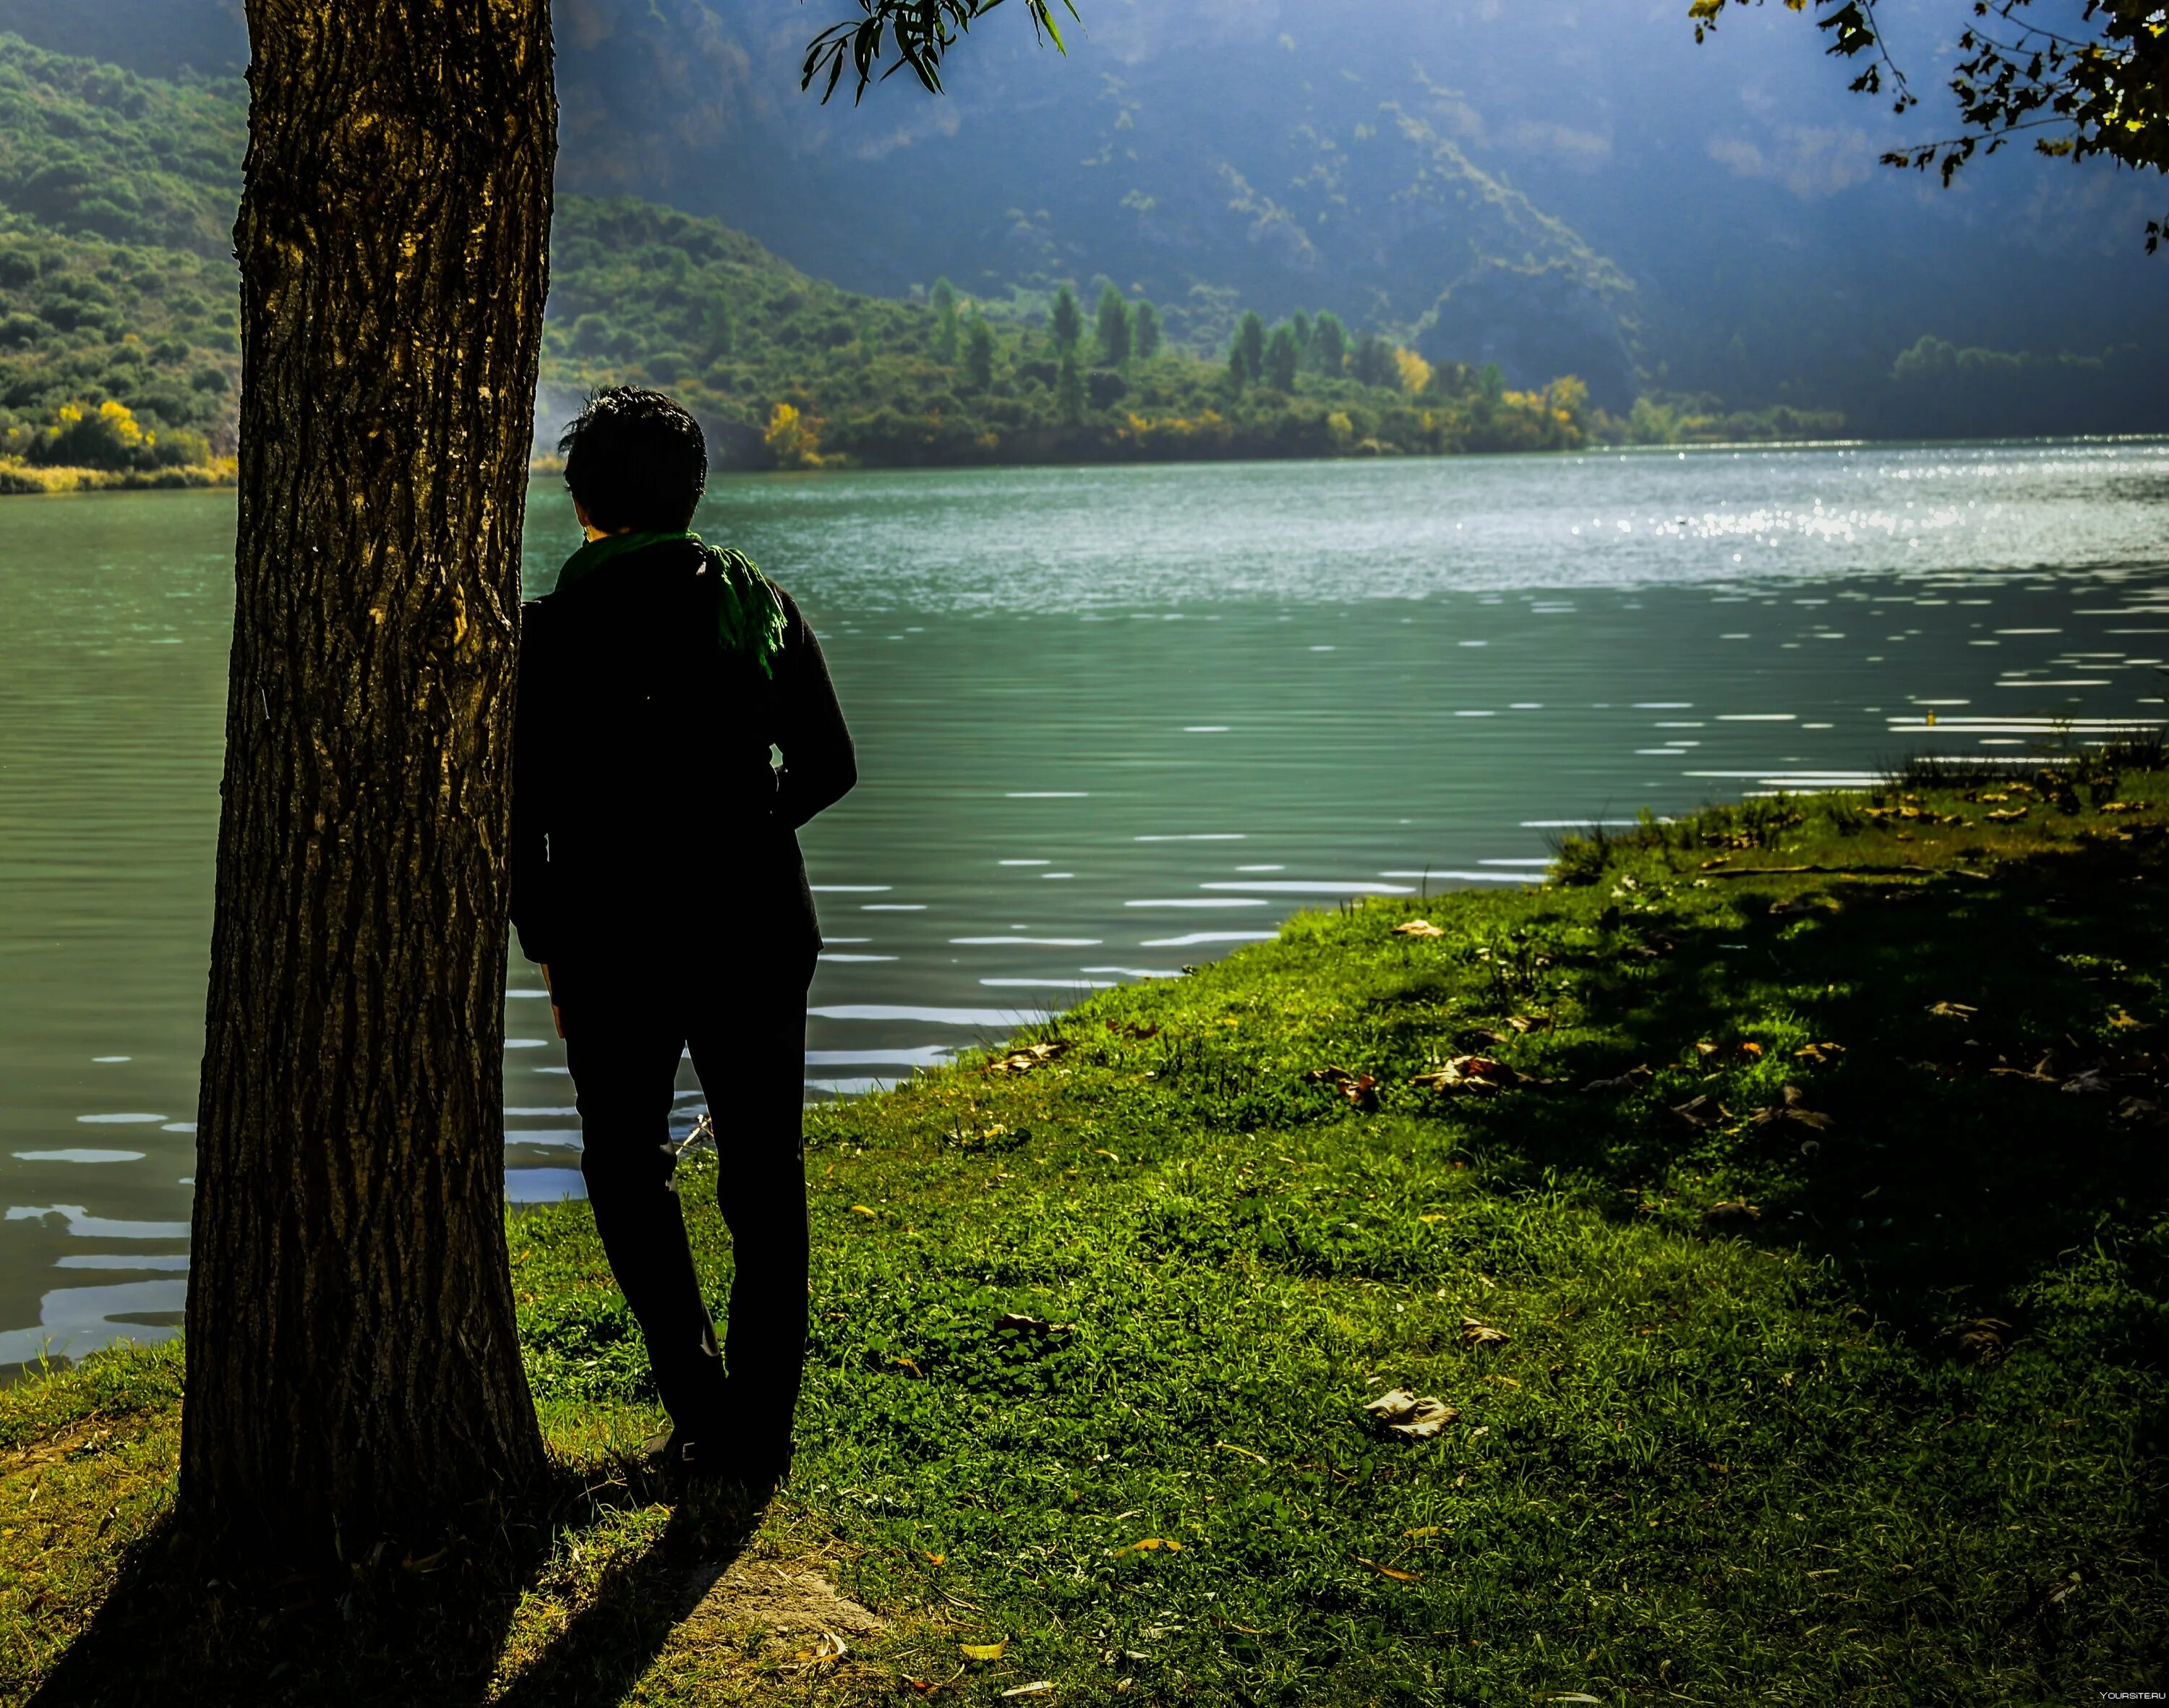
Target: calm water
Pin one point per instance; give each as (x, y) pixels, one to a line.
(1111, 723)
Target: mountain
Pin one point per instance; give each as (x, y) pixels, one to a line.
(1571, 186)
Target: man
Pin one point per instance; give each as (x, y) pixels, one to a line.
(656, 877)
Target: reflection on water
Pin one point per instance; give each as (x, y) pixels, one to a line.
(1110, 721)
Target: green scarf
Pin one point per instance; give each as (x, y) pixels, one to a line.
(749, 615)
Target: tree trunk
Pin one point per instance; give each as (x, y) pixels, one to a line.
(353, 1367)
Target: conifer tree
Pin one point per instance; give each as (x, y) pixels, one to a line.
(1114, 317)
(979, 355)
(1146, 337)
(1065, 320)
(1281, 355)
(1069, 390)
(1249, 351)
(945, 323)
(1329, 345)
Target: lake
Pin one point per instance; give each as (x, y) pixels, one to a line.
(1112, 722)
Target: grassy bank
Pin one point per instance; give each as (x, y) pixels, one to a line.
(1776, 1204)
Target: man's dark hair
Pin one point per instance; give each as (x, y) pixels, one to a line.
(635, 459)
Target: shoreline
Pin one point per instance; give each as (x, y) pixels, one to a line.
(1702, 1185)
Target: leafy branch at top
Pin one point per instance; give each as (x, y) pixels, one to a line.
(2100, 88)
(917, 33)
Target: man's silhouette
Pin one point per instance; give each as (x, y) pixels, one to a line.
(656, 876)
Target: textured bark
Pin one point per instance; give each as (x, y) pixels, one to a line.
(353, 1367)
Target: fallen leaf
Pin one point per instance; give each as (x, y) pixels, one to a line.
(1794, 1110)
(2122, 807)
(2008, 815)
(1475, 1334)
(2123, 1022)
(1418, 928)
(1751, 1049)
(1418, 1535)
(1705, 1049)
(1018, 1061)
(2092, 1082)
(1480, 1073)
(1108, 1154)
(1954, 1011)
(1574, 1696)
(1731, 1212)
(1391, 1571)
(1530, 1022)
(937, 1559)
(860, 1210)
(1037, 1687)
(2139, 1109)
(1979, 1340)
(1151, 1545)
(1408, 1415)
(907, 1364)
(1633, 1078)
(984, 1652)
(427, 1563)
(1821, 1055)
(1701, 1113)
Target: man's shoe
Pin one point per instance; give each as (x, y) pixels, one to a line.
(679, 1452)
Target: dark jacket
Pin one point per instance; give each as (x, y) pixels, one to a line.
(649, 824)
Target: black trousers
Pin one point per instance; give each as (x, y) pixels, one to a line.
(624, 1034)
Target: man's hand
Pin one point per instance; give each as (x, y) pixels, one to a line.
(556, 1014)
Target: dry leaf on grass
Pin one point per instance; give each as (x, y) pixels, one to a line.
(1361, 1090)
(1481, 1074)
(1731, 1212)
(984, 1652)
(1418, 928)
(1701, 1113)
(2008, 815)
(1979, 1340)
(1037, 1687)
(1412, 1417)
(1821, 1055)
(1149, 1545)
(1793, 1111)
(1954, 1011)
(867, 1210)
(1632, 1079)
(2143, 1110)
(2092, 1082)
(1391, 1571)
(826, 1653)
(1018, 1061)
(1478, 1334)
(1530, 1022)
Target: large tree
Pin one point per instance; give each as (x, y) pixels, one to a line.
(353, 1369)
(2091, 81)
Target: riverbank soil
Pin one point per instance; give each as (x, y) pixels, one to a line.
(1762, 1231)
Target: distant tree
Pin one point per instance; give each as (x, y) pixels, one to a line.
(1069, 390)
(717, 333)
(1249, 352)
(979, 355)
(945, 321)
(1329, 345)
(1374, 363)
(1299, 323)
(1282, 356)
(2094, 84)
(1412, 373)
(1147, 336)
(1239, 373)
(1065, 321)
(1114, 327)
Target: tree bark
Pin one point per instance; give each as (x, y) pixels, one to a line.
(353, 1371)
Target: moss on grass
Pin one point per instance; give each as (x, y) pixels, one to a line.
(1851, 1393)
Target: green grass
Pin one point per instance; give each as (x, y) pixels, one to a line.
(1720, 1455)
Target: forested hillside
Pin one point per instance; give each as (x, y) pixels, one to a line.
(119, 348)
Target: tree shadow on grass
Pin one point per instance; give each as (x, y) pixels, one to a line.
(1993, 1108)
(172, 1631)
